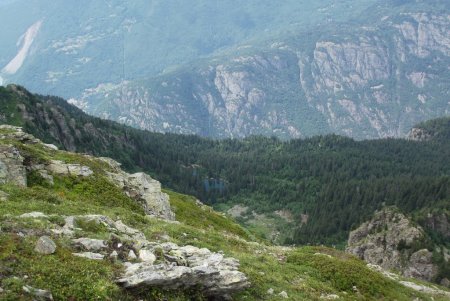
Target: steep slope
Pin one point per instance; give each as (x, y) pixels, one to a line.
(365, 69)
(92, 241)
(302, 191)
(374, 77)
(392, 240)
(83, 43)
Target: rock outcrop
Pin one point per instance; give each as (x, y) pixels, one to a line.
(12, 169)
(143, 188)
(391, 241)
(164, 265)
(418, 134)
(139, 186)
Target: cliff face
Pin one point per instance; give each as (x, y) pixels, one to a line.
(364, 81)
(391, 241)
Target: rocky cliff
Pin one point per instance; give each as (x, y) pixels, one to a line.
(393, 242)
(369, 81)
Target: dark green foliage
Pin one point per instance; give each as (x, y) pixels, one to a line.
(336, 181)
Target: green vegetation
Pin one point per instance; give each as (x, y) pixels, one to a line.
(303, 273)
(332, 182)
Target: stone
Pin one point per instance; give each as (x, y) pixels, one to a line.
(38, 294)
(12, 170)
(284, 295)
(34, 215)
(90, 255)
(132, 255)
(51, 146)
(61, 168)
(145, 190)
(90, 244)
(147, 256)
(329, 297)
(45, 245)
(270, 291)
(186, 267)
(114, 254)
(131, 232)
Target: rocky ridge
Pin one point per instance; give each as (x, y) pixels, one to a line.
(390, 240)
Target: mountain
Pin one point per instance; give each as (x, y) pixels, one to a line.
(78, 45)
(365, 69)
(71, 231)
(313, 190)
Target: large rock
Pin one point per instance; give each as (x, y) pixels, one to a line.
(45, 245)
(90, 244)
(12, 169)
(187, 267)
(386, 240)
(143, 189)
(61, 168)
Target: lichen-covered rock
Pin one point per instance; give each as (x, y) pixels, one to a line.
(216, 275)
(386, 241)
(89, 255)
(143, 189)
(45, 245)
(90, 244)
(61, 168)
(12, 169)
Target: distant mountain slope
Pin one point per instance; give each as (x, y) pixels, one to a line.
(82, 44)
(300, 191)
(364, 79)
(365, 69)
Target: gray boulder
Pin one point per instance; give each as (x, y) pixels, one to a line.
(90, 255)
(12, 170)
(144, 190)
(38, 294)
(61, 168)
(190, 267)
(45, 245)
(90, 244)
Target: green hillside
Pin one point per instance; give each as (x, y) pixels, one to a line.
(308, 273)
(301, 191)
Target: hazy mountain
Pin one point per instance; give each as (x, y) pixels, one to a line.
(227, 69)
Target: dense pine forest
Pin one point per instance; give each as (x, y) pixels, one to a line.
(333, 181)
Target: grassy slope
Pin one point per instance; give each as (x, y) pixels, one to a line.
(301, 272)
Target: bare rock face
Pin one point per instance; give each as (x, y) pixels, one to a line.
(386, 241)
(12, 169)
(417, 134)
(142, 188)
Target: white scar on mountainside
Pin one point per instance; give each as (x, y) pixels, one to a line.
(27, 40)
